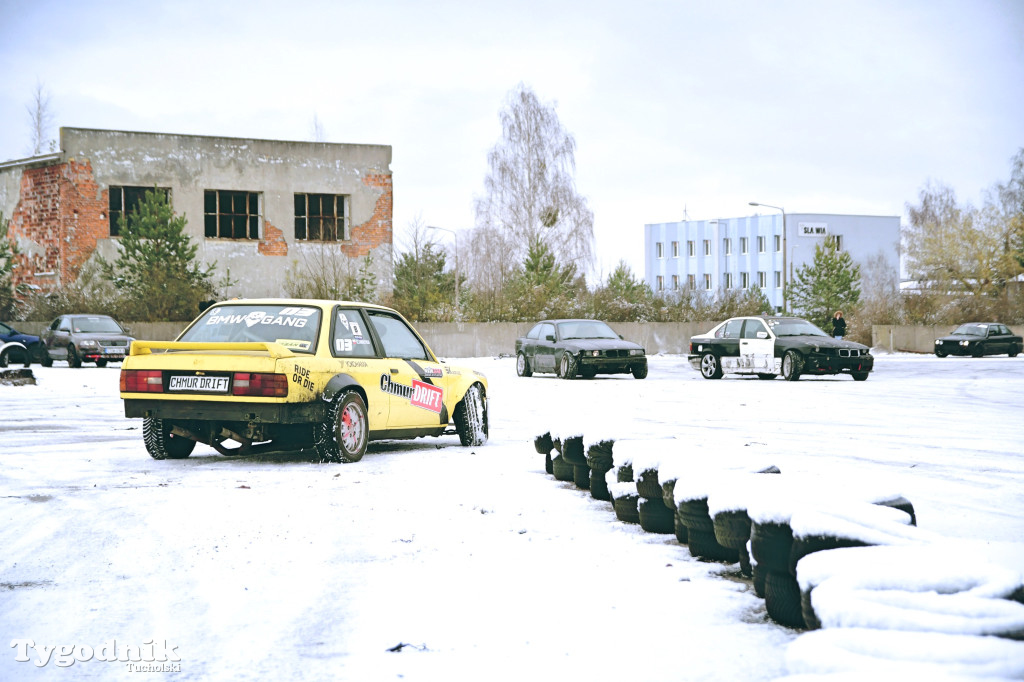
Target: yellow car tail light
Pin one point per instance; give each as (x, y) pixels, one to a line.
(263, 385)
(142, 381)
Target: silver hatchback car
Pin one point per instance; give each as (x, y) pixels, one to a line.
(89, 338)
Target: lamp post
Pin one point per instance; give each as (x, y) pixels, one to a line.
(456, 235)
(785, 301)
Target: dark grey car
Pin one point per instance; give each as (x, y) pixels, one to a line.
(85, 338)
(571, 348)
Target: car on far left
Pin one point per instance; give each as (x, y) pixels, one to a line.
(85, 338)
(17, 348)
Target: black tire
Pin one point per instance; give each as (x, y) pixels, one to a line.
(1013, 351)
(599, 456)
(567, 366)
(703, 545)
(732, 529)
(626, 508)
(694, 514)
(581, 476)
(710, 366)
(101, 363)
(682, 532)
(655, 517)
(757, 575)
(547, 464)
(792, 365)
(588, 372)
(562, 470)
(523, 368)
(647, 485)
(782, 599)
(624, 474)
(543, 444)
(640, 371)
(47, 361)
(941, 353)
(37, 352)
(161, 443)
(343, 436)
(766, 377)
(860, 376)
(471, 417)
(599, 486)
(668, 489)
(811, 621)
(771, 544)
(5, 357)
(572, 451)
(904, 505)
(73, 359)
(745, 568)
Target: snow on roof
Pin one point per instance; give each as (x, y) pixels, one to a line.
(911, 655)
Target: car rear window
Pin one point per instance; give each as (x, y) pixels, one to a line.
(294, 327)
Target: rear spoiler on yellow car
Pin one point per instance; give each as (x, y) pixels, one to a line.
(275, 350)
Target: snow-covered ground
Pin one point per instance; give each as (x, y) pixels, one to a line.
(480, 564)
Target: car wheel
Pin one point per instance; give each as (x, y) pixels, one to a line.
(471, 417)
(567, 366)
(766, 377)
(710, 367)
(860, 376)
(101, 363)
(792, 364)
(37, 352)
(640, 371)
(1013, 351)
(5, 357)
(342, 437)
(940, 353)
(588, 372)
(523, 366)
(161, 443)
(46, 361)
(978, 352)
(73, 359)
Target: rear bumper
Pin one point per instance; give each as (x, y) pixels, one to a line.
(209, 411)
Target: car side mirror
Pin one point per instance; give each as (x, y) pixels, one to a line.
(622, 337)
(762, 335)
(65, 329)
(550, 337)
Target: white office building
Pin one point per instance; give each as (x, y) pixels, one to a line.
(756, 251)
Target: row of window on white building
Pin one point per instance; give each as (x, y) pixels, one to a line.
(728, 282)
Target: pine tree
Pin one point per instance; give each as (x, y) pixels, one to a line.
(156, 270)
(830, 283)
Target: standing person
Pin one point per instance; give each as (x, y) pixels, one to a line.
(838, 325)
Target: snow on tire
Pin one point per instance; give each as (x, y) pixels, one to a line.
(161, 443)
(471, 417)
(655, 517)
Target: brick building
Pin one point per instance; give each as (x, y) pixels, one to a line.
(263, 210)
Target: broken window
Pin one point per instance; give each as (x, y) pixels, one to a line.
(320, 217)
(231, 214)
(124, 200)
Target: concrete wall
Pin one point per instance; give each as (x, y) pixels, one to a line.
(486, 339)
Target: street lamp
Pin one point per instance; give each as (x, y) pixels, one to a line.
(456, 235)
(785, 301)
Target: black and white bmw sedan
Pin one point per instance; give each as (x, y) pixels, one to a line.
(770, 346)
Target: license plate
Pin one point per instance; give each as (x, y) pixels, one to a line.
(114, 351)
(199, 384)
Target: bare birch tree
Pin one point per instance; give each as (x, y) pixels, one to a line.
(40, 121)
(529, 196)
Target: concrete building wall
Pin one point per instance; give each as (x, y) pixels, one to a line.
(720, 258)
(59, 204)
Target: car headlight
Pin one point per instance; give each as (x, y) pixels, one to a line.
(965, 343)
(595, 353)
(87, 343)
(636, 351)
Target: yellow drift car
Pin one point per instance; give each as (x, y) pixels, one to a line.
(291, 374)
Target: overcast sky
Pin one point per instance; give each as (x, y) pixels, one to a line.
(678, 108)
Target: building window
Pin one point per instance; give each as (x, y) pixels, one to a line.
(320, 217)
(778, 243)
(743, 245)
(675, 281)
(727, 246)
(661, 283)
(124, 200)
(660, 249)
(689, 248)
(760, 244)
(778, 279)
(707, 282)
(707, 247)
(230, 214)
(691, 281)
(675, 249)
(762, 279)
(839, 242)
(728, 280)
(744, 280)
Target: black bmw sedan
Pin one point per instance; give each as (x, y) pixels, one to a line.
(571, 348)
